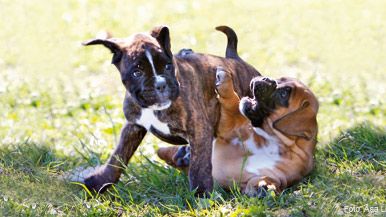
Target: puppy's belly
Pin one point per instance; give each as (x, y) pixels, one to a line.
(241, 160)
(264, 157)
(227, 163)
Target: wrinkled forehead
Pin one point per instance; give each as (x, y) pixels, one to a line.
(136, 45)
(299, 91)
(287, 81)
(290, 82)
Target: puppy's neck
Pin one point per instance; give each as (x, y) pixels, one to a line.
(176, 69)
(268, 127)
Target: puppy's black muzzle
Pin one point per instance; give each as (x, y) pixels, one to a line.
(263, 88)
(256, 109)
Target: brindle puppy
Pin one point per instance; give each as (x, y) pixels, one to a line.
(171, 96)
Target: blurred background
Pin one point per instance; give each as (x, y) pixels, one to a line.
(53, 90)
(56, 93)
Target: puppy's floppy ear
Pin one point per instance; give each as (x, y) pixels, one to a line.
(161, 33)
(111, 44)
(301, 122)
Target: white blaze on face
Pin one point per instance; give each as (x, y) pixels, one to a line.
(150, 58)
(158, 79)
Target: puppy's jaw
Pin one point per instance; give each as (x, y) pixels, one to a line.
(154, 100)
(161, 106)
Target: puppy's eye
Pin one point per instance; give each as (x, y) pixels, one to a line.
(137, 73)
(284, 93)
(168, 67)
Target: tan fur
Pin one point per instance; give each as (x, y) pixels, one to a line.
(294, 128)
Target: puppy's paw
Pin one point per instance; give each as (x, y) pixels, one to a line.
(78, 174)
(222, 76)
(260, 189)
(260, 192)
(92, 177)
(185, 52)
(182, 157)
(99, 180)
(224, 83)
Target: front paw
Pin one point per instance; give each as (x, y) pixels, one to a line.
(99, 181)
(224, 84)
(182, 157)
(202, 184)
(221, 75)
(260, 192)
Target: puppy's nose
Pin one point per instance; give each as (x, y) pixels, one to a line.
(160, 86)
(269, 80)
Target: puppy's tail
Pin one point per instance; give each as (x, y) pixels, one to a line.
(231, 50)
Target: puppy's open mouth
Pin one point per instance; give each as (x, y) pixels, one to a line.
(153, 100)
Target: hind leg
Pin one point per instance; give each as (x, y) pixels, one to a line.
(230, 117)
(259, 186)
(227, 96)
(179, 156)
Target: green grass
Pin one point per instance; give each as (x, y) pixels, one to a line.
(60, 103)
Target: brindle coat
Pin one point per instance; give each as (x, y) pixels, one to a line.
(194, 113)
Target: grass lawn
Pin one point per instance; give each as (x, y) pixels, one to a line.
(61, 103)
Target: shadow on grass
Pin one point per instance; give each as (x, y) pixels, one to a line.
(350, 170)
(29, 183)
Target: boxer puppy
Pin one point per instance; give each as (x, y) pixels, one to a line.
(264, 142)
(171, 96)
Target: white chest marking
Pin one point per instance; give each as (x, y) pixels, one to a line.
(264, 157)
(149, 119)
